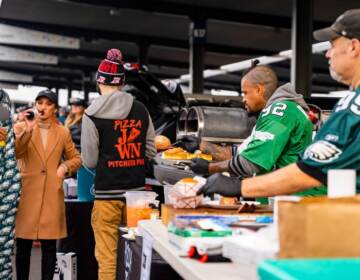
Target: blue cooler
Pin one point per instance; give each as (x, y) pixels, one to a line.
(85, 178)
(310, 269)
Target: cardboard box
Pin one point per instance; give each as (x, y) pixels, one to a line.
(320, 228)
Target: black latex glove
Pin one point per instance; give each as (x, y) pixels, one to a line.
(223, 185)
(199, 166)
(189, 143)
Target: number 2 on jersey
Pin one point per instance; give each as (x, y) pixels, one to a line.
(277, 110)
(355, 108)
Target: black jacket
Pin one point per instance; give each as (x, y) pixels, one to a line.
(75, 131)
(122, 144)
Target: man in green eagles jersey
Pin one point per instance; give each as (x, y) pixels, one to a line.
(336, 145)
(282, 131)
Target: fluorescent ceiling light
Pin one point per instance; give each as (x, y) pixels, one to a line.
(321, 47)
(287, 54)
(206, 74)
(212, 73)
(242, 65)
(185, 77)
(316, 48)
(220, 92)
(337, 94)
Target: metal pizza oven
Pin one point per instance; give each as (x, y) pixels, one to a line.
(216, 124)
(181, 123)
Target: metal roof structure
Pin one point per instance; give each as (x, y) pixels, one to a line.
(155, 33)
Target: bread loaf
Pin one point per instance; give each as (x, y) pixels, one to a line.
(162, 143)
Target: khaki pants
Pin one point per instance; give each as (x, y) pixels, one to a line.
(106, 217)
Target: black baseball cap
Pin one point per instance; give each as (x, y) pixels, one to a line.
(77, 102)
(346, 25)
(52, 96)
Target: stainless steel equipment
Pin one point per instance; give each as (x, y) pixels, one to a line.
(216, 124)
(181, 123)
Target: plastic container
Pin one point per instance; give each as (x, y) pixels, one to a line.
(85, 177)
(167, 189)
(138, 206)
(70, 188)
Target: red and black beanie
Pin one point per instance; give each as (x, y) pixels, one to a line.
(111, 69)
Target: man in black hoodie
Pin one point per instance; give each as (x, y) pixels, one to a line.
(117, 138)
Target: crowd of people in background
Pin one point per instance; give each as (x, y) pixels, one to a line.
(48, 143)
(116, 132)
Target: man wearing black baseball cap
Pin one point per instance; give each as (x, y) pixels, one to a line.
(346, 25)
(336, 145)
(344, 36)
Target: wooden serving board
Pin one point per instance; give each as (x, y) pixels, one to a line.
(168, 212)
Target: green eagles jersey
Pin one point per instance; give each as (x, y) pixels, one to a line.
(337, 143)
(281, 134)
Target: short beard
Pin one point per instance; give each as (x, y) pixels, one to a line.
(335, 76)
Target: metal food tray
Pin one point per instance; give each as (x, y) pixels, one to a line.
(170, 171)
(171, 162)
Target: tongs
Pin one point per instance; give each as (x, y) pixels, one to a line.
(246, 208)
(182, 165)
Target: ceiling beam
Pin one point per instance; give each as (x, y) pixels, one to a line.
(192, 11)
(13, 35)
(33, 69)
(14, 77)
(65, 57)
(92, 34)
(19, 55)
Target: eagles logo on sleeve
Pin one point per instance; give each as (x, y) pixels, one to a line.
(322, 151)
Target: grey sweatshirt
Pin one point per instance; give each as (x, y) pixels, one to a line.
(239, 165)
(287, 92)
(114, 106)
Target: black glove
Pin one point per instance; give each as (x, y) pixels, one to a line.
(189, 143)
(223, 185)
(199, 166)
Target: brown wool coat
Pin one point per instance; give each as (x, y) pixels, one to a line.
(41, 210)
